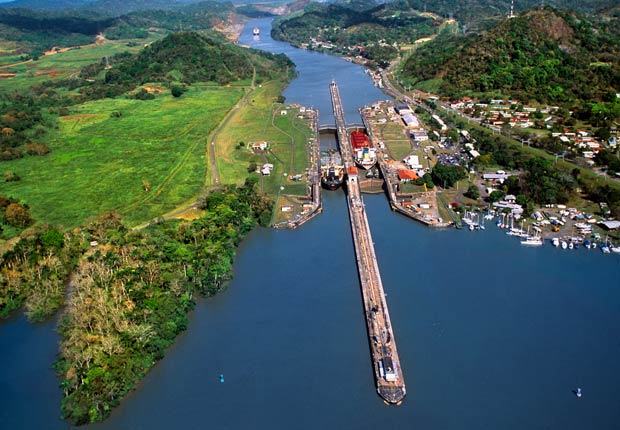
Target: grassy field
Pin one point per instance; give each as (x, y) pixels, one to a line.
(262, 120)
(395, 140)
(99, 162)
(63, 64)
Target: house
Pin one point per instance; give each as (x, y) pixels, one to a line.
(259, 146)
(266, 169)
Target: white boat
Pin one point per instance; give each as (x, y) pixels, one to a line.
(256, 31)
(570, 245)
(564, 244)
(532, 240)
(578, 392)
(605, 249)
(555, 242)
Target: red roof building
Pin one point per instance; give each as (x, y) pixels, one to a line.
(407, 175)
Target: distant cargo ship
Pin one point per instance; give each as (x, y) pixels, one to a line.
(332, 169)
(256, 31)
(365, 156)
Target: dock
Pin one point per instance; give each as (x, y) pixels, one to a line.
(385, 361)
(313, 172)
(391, 186)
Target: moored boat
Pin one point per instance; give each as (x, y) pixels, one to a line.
(332, 169)
(365, 156)
(256, 31)
(532, 241)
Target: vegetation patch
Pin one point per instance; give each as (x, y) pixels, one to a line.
(101, 162)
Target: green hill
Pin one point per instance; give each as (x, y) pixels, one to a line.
(191, 57)
(356, 28)
(542, 55)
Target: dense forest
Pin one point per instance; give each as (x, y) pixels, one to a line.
(127, 292)
(374, 29)
(101, 6)
(38, 31)
(543, 55)
(474, 13)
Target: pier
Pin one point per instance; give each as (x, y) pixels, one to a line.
(397, 198)
(386, 364)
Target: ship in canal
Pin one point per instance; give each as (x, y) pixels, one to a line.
(364, 154)
(332, 169)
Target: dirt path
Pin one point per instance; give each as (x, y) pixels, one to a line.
(215, 177)
(16, 64)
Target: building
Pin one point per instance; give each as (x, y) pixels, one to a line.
(352, 173)
(405, 175)
(266, 169)
(259, 146)
(610, 225)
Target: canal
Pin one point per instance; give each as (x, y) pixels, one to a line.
(491, 335)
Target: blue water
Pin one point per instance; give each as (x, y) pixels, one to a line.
(491, 335)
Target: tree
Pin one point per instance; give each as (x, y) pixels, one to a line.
(472, 192)
(17, 215)
(177, 90)
(447, 175)
(496, 196)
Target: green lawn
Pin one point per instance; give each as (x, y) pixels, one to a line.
(260, 120)
(393, 135)
(100, 163)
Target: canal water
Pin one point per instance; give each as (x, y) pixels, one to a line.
(491, 335)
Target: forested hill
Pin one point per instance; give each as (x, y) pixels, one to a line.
(542, 55)
(106, 6)
(472, 12)
(37, 31)
(198, 16)
(46, 5)
(185, 57)
(28, 21)
(190, 57)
